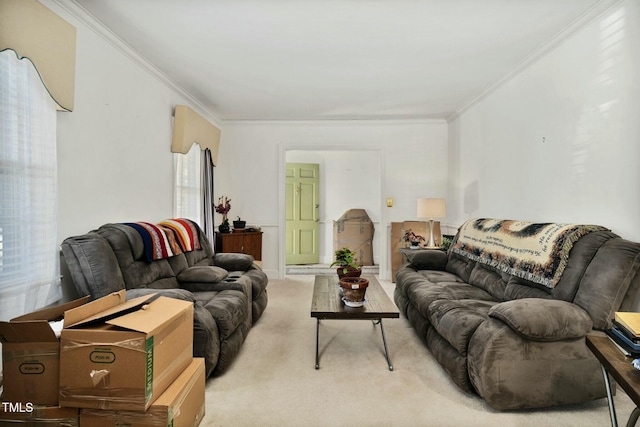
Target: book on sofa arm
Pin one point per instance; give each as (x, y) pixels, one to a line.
(629, 320)
(627, 346)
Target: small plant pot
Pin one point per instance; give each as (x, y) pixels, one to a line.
(223, 228)
(353, 290)
(348, 271)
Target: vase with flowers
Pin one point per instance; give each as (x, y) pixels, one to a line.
(413, 239)
(223, 207)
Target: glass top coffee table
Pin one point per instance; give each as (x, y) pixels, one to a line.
(327, 304)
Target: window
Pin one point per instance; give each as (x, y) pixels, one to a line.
(188, 200)
(29, 270)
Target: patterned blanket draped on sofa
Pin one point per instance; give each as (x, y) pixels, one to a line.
(537, 252)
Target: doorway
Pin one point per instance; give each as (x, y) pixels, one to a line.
(348, 179)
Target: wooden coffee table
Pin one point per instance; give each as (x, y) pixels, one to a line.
(327, 304)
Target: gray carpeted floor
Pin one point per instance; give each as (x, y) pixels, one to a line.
(273, 381)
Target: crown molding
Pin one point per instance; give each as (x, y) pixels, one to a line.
(337, 122)
(84, 16)
(594, 12)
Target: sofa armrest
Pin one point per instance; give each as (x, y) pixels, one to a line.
(202, 274)
(233, 261)
(180, 294)
(541, 319)
(428, 260)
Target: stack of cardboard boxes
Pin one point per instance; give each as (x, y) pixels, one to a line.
(115, 363)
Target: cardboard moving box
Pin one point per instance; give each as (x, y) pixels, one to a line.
(117, 355)
(396, 241)
(181, 405)
(39, 416)
(354, 230)
(31, 356)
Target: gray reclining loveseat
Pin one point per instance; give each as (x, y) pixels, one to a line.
(515, 342)
(228, 290)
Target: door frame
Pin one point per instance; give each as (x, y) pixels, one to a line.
(282, 160)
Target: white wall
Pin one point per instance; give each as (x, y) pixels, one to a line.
(114, 159)
(115, 165)
(560, 141)
(413, 164)
(347, 180)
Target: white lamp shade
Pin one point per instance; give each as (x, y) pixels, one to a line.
(432, 208)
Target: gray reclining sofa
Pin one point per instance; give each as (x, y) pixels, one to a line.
(228, 290)
(514, 342)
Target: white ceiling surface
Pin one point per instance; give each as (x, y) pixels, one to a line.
(337, 59)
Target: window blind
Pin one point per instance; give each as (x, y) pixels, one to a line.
(29, 270)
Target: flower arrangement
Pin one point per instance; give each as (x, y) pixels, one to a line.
(413, 238)
(223, 207)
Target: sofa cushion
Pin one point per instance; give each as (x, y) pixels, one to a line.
(489, 279)
(436, 276)
(542, 319)
(92, 265)
(203, 274)
(614, 270)
(127, 246)
(582, 253)
(518, 288)
(460, 266)
(423, 294)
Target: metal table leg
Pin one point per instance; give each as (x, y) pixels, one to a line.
(317, 343)
(612, 409)
(633, 417)
(384, 341)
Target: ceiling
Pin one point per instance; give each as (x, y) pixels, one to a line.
(338, 59)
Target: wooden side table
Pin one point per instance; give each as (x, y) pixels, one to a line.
(249, 243)
(617, 365)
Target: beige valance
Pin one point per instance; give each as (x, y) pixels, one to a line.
(190, 127)
(35, 32)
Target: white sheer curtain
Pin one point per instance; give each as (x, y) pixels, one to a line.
(29, 270)
(188, 200)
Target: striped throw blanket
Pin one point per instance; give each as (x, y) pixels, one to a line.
(186, 233)
(158, 244)
(537, 252)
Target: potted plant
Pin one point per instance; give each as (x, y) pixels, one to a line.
(446, 243)
(346, 262)
(223, 207)
(413, 238)
(353, 290)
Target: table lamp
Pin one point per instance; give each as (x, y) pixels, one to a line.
(431, 209)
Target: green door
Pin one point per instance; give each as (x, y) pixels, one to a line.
(302, 207)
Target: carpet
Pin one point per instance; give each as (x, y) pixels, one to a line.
(273, 382)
